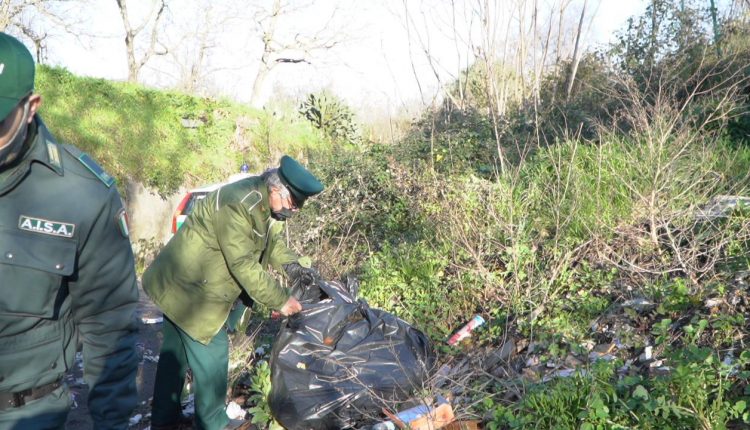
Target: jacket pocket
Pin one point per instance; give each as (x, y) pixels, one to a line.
(32, 269)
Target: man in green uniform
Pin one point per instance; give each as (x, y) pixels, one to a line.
(222, 251)
(66, 269)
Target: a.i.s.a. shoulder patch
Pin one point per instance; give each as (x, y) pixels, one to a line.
(122, 223)
(44, 226)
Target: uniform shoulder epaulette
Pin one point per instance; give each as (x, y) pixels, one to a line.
(252, 199)
(90, 164)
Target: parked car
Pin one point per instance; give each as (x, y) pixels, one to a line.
(187, 204)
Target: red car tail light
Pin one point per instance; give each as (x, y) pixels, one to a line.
(179, 211)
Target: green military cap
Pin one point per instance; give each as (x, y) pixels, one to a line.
(300, 182)
(16, 73)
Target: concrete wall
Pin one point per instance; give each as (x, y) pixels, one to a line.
(150, 215)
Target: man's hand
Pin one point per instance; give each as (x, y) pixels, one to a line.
(305, 275)
(291, 307)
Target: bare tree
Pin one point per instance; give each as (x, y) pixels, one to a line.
(153, 46)
(195, 41)
(280, 47)
(38, 20)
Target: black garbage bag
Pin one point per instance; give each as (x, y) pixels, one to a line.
(335, 363)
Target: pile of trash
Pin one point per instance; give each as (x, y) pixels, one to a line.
(338, 362)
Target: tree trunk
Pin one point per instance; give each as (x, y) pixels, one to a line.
(576, 56)
(266, 63)
(129, 42)
(715, 23)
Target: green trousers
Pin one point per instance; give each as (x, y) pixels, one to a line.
(47, 413)
(209, 365)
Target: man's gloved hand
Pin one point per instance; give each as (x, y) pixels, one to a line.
(303, 275)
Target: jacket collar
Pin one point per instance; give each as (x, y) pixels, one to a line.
(42, 148)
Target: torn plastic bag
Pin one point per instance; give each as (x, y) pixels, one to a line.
(338, 362)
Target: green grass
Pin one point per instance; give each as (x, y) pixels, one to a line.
(138, 133)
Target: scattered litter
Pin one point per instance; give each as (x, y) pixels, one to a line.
(466, 330)
(235, 411)
(721, 206)
(135, 419)
(639, 304)
(420, 417)
(442, 376)
(729, 361)
(647, 354)
(500, 354)
(152, 320)
(712, 303)
(625, 368)
(661, 371)
(260, 350)
(596, 356)
(564, 373)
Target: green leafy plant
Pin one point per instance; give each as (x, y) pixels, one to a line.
(261, 388)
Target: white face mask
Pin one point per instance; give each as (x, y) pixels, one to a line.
(9, 152)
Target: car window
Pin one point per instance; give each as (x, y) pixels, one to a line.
(194, 198)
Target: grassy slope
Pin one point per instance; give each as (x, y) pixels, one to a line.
(138, 133)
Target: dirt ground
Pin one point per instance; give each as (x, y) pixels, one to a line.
(149, 342)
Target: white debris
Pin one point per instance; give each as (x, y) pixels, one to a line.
(712, 303)
(260, 350)
(151, 358)
(235, 411)
(648, 354)
(656, 363)
(135, 419)
(154, 320)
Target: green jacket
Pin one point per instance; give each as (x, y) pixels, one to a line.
(225, 246)
(66, 278)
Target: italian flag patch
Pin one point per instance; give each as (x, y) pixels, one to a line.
(122, 223)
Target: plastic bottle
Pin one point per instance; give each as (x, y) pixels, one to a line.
(466, 330)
